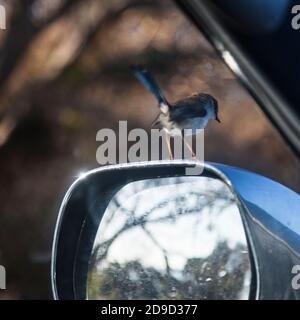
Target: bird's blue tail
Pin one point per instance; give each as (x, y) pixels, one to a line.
(145, 77)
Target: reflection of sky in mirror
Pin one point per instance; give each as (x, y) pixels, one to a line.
(186, 218)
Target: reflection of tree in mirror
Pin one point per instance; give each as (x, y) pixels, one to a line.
(212, 279)
(146, 214)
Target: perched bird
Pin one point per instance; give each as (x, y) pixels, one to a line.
(193, 112)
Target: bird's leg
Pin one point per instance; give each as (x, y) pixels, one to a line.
(169, 146)
(189, 147)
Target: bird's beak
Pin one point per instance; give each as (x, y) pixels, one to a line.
(217, 119)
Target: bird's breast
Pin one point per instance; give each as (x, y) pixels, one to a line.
(193, 124)
(174, 128)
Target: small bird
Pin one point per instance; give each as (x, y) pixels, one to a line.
(193, 112)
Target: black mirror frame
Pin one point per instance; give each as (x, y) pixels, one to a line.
(87, 199)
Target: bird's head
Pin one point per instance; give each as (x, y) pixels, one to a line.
(212, 108)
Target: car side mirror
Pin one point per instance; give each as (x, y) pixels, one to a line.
(149, 231)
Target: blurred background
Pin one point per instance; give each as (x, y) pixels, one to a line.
(64, 74)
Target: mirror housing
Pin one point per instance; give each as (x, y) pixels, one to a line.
(269, 212)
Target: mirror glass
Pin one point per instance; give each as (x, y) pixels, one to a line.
(170, 238)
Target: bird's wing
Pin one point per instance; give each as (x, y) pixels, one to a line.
(188, 108)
